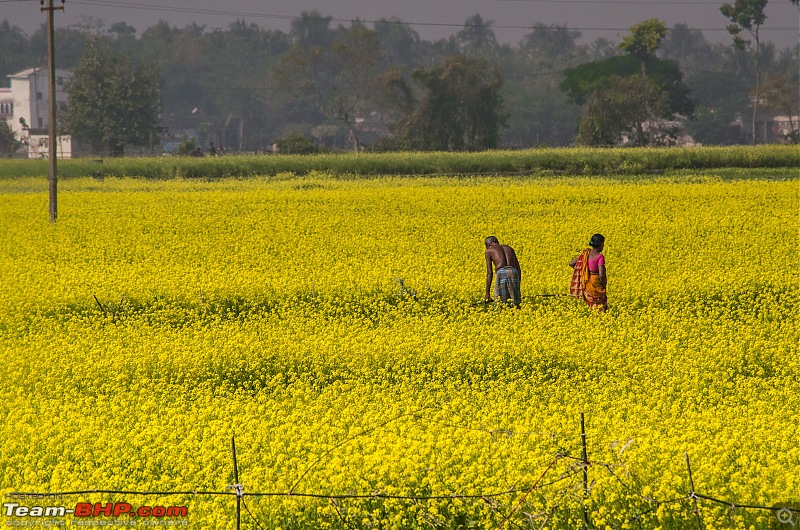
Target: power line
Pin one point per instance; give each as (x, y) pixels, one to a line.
(190, 10)
(243, 14)
(626, 2)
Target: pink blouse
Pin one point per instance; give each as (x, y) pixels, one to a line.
(594, 263)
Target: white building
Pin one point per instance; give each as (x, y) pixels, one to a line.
(7, 106)
(26, 106)
(783, 126)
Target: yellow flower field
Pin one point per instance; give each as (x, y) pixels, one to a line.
(335, 327)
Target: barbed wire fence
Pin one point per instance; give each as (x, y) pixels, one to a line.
(579, 466)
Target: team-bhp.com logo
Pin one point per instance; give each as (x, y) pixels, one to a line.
(86, 510)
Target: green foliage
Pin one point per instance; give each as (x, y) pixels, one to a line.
(399, 43)
(539, 113)
(112, 102)
(713, 127)
(242, 56)
(620, 94)
(744, 15)
(8, 142)
(621, 109)
(312, 30)
(584, 80)
(644, 39)
(15, 50)
(295, 145)
(477, 37)
(341, 78)
(224, 77)
(780, 95)
(186, 147)
(781, 161)
(748, 15)
(545, 43)
(462, 109)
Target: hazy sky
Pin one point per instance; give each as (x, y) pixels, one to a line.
(432, 19)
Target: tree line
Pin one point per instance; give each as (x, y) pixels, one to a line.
(382, 87)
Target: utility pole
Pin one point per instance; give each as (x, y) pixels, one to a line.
(51, 67)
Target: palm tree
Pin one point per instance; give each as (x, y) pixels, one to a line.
(15, 45)
(477, 36)
(311, 30)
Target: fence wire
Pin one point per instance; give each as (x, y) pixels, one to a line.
(569, 479)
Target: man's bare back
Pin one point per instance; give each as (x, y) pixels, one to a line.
(502, 256)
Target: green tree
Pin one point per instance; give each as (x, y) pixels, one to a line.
(620, 111)
(15, 50)
(462, 107)
(344, 78)
(584, 80)
(312, 30)
(542, 115)
(8, 142)
(111, 101)
(594, 82)
(747, 15)
(714, 126)
(644, 40)
(477, 37)
(689, 48)
(239, 60)
(71, 45)
(780, 95)
(787, 63)
(399, 43)
(532, 73)
(546, 43)
(188, 69)
(601, 49)
(123, 35)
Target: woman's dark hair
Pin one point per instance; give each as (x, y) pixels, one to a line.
(597, 240)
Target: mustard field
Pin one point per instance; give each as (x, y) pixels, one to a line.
(335, 328)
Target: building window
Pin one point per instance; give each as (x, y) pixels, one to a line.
(38, 95)
(41, 123)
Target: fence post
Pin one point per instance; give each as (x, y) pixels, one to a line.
(585, 474)
(692, 493)
(237, 487)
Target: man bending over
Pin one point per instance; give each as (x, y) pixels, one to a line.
(507, 268)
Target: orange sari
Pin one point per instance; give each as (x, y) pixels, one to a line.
(587, 286)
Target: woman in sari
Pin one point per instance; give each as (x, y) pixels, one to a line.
(589, 275)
